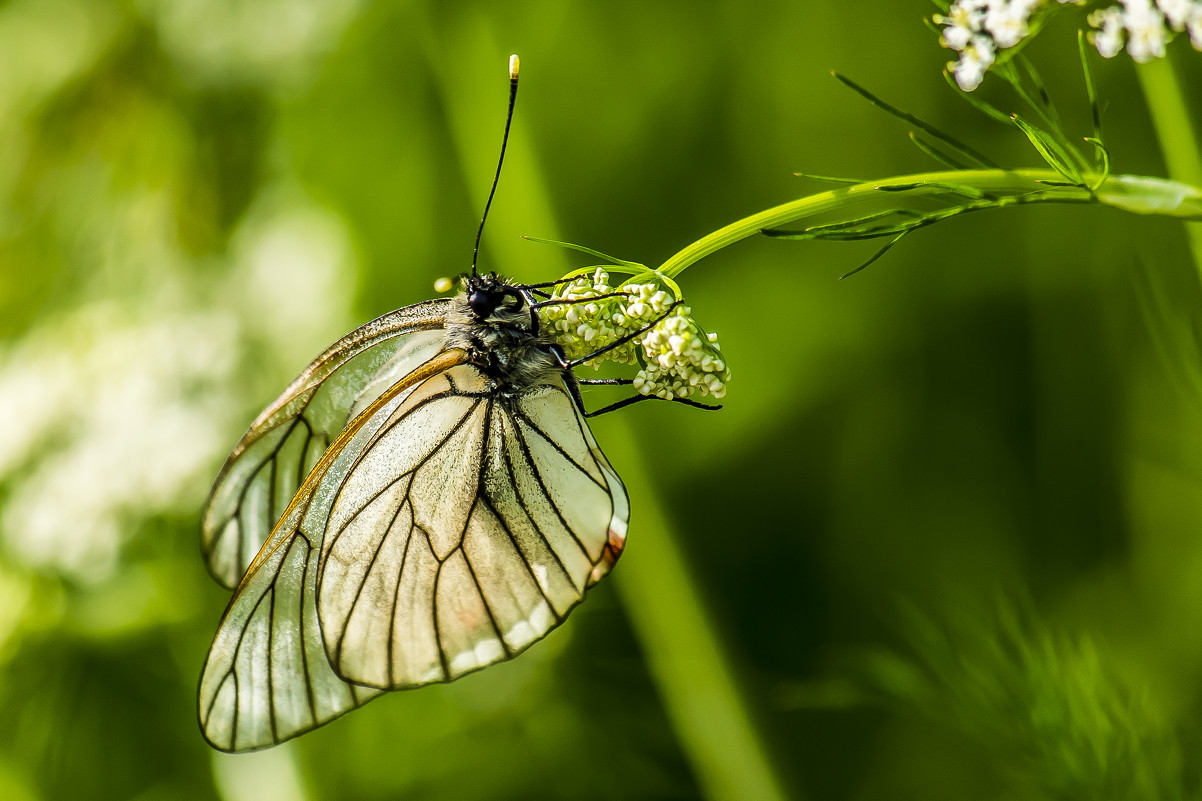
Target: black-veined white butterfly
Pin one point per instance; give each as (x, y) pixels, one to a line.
(456, 518)
(424, 500)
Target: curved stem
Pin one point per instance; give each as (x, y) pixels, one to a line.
(869, 191)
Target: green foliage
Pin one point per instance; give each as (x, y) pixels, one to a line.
(197, 197)
(1050, 711)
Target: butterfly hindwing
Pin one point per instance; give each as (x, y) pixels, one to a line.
(272, 459)
(465, 531)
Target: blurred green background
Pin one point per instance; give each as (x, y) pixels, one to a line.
(948, 527)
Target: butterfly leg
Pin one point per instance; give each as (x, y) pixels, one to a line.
(606, 381)
(622, 404)
(534, 307)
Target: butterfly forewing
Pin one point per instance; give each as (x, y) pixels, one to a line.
(267, 677)
(466, 529)
(272, 459)
(379, 524)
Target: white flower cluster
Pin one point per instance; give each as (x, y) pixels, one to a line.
(120, 409)
(977, 29)
(122, 415)
(679, 358)
(682, 360)
(1146, 26)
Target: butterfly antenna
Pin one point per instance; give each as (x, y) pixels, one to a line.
(513, 96)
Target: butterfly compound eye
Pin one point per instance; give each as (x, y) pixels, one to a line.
(484, 302)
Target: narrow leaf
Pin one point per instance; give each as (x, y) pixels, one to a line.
(1046, 112)
(929, 187)
(830, 179)
(1095, 108)
(1103, 161)
(876, 255)
(1041, 90)
(1050, 150)
(978, 103)
(786, 233)
(936, 153)
(611, 259)
(826, 234)
(964, 150)
(867, 218)
(841, 236)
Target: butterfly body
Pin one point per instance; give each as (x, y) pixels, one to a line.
(493, 323)
(461, 509)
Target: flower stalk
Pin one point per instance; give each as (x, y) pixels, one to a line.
(964, 190)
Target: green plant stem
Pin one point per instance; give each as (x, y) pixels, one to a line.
(1175, 130)
(842, 198)
(698, 681)
(1131, 193)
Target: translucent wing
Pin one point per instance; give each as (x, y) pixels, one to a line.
(272, 459)
(267, 677)
(467, 528)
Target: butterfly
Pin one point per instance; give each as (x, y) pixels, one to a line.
(424, 500)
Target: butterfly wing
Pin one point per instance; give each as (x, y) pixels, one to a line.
(467, 528)
(272, 459)
(267, 678)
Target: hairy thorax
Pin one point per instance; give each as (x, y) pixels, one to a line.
(505, 346)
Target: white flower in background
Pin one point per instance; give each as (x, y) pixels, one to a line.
(122, 409)
(1177, 12)
(679, 358)
(295, 275)
(979, 29)
(1146, 27)
(1110, 31)
(272, 42)
(1007, 22)
(1146, 33)
(1193, 24)
(975, 59)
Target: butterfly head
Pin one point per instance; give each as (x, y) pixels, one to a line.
(488, 294)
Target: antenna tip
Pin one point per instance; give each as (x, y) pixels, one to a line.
(442, 285)
(514, 62)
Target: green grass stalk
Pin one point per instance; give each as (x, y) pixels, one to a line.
(698, 681)
(1175, 131)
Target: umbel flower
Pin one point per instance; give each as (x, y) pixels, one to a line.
(1145, 27)
(979, 30)
(678, 357)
